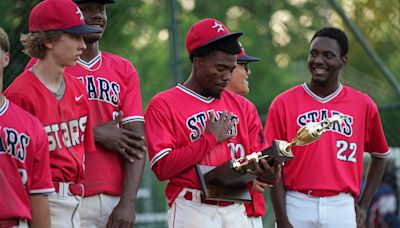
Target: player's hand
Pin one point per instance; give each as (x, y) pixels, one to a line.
(265, 171)
(221, 128)
(124, 142)
(258, 186)
(361, 216)
(123, 215)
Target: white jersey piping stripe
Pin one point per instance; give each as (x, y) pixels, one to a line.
(91, 63)
(206, 100)
(380, 155)
(42, 191)
(320, 99)
(158, 156)
(4, 108)
(132, 119)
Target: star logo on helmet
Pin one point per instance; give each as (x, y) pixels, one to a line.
(218, 26)
(79, 12)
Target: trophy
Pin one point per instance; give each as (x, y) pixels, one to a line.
(228, 181)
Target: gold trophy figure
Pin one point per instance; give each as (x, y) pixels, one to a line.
(228, 181)
(308, 134)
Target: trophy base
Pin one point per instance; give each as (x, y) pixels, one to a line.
(221, 193)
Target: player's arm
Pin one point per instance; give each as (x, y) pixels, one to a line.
(265, 172)
(373, 179)
(278, 194)
(40, 211)
(124, 214)
(375, 143)
(41, 182)
(129, 144)
(275, 128)
(166, 159)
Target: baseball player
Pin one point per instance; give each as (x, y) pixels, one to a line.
(25, 176)
(196, 122)
(113, 88)
(240, 85)
(322, 184)
(58, 100)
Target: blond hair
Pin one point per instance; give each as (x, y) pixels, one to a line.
(4, 41)
(34, 42)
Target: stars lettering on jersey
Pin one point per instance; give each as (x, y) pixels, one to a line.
(346, 128)
(101, 89)
(218, 26)
(14, 143)
(66, 134)
(197, 123)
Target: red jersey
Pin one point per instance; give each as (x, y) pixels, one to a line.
(112, 85)
(176, 120)
(24, 161)
(335, 161)
(66, 122)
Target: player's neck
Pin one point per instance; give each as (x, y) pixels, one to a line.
(323, 90)
(49, 74)
(91, 51)
(195, 86)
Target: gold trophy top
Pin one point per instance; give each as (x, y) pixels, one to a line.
(310, 133)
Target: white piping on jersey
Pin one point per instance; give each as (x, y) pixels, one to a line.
(132, 119)
(206, 100)
(159, 155)
(320, 99)
(41, 191)
(4, 108)
(380, 155)
(91, 63)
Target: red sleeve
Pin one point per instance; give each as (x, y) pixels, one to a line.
(375, 141)
(275, 126)
(166, 159)
(132, 100)
(41, 177)
(257, 142)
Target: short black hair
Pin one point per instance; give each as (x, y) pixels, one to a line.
(336, 34)
(228, 45)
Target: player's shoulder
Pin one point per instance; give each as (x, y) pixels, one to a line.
(166, 96)
(117, 60)
(350, 91)
(29, 121)
(291, 93)
(234, 97)
(357, 95)
(22, 82)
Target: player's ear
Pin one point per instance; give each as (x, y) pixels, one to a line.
(6, 59)
(343, 61)
(197, 62)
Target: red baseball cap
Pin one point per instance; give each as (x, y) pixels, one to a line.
(242, 57)
(62, 15)
(205, 32)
